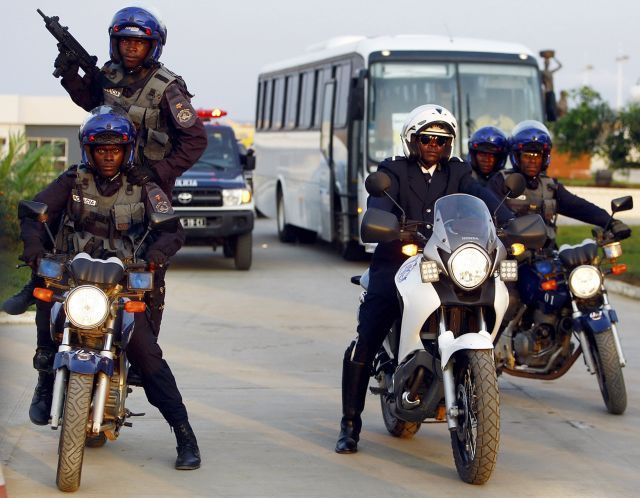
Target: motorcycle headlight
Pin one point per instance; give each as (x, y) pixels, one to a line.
(236, 196)
(469, 267)
(86, 306)
(585, 281)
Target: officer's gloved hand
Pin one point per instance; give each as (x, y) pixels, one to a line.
(33, 251)
(139, 175)
(157, 257)
(620, 230)
(67, 66)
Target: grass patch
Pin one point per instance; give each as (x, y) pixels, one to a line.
(573, 234)
(590, 182)
(13, 280)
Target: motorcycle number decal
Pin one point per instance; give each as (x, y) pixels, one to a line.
(404, 272)
(548, 298)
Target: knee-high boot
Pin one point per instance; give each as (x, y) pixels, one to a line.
(355, 379)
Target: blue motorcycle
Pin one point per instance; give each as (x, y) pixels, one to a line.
(565, 312)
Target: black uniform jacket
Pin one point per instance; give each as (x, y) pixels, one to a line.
(568, 204)
(188, 143)
(417, 197)
(56, 196)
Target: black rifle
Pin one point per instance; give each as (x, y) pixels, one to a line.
(69, 46)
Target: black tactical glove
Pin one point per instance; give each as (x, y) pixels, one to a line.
(32, 252)
(157, 257)
(67, 66)
(620, 230)
(139, 175)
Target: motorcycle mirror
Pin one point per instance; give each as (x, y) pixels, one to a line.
(516, 184)
(377, 183)
(249, 160)
(32, 209)
(529, 230)
(379, 226)
(622, 204)
(167, 222)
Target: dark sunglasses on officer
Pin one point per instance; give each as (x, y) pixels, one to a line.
(428, 138)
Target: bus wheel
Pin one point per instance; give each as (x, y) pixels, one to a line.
(286, 232)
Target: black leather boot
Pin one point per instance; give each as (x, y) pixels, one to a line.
(18, 304)
(188, 452)
(355, 379)
(42, 396)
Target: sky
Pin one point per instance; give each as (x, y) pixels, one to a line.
(218, 47)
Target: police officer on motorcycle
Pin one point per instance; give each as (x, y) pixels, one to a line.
(530, 153)
(425, 173)
(171, 137)
(100, 212)
(488, 150)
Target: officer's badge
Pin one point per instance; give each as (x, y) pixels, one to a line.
(162, 207)
(184, 115)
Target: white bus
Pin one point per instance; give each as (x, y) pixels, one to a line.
(326, 119)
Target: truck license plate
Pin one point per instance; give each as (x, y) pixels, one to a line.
(193, 222)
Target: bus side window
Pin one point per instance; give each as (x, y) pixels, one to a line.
(322, 76)
(343, 78)
(259, 98)
(306, 100)
(291, 106)
(266, 112)
(278, 104)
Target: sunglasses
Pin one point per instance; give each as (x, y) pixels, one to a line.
(426, 139)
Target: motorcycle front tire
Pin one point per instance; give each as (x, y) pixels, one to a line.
(476, 440)
(609, 372)
(74, 431)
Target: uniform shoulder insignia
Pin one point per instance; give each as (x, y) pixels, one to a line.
(182, 111)
(158, 200)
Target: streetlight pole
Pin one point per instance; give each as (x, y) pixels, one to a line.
(620, 60)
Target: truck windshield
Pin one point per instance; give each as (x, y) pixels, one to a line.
(478, 94)
(221, 152)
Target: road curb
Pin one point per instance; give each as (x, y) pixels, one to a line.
(28, 317)
(627, 290)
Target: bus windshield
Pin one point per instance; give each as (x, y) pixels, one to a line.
(478, 94)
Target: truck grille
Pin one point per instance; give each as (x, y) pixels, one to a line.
(199, 197)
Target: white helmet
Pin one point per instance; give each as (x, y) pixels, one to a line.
(422, 117)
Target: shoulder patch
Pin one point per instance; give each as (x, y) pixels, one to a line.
(158, 200)
(184, 115)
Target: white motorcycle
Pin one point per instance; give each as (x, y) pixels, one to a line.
(436, 364)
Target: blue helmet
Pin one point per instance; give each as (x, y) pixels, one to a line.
(530, 136)
(488, 139)
(136, 22)
(107, 125)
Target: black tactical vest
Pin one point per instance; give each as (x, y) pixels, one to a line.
(102, 225)
(143, 108)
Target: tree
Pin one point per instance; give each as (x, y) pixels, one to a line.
(24, 171)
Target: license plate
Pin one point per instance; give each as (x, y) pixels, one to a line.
(193, 222)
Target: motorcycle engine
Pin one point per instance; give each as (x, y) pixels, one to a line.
(534, 346)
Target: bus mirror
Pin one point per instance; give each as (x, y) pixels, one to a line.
(249, 161)
(357, 95)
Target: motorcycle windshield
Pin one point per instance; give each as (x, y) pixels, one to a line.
(462, 219)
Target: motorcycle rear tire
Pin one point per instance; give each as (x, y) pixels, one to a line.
(475, 371)
(74, 431)
(395, 426)
(609, 372)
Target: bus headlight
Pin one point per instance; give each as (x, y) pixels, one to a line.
(235, 196)
(469, 267)
(87, 307)
(585, 281)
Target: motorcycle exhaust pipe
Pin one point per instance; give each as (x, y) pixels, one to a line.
(410, 398)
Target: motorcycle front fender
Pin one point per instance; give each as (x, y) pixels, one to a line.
(450, 345)
(593, 323)
(83, 362)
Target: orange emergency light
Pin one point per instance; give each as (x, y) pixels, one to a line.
(549, 285)
(135, 306)
(45, 295)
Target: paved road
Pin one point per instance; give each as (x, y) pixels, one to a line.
(257, 355)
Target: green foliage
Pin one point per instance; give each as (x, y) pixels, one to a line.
(591, 127)
(583, 129)
(24, 172)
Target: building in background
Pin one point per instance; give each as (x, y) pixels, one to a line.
(43, 120)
